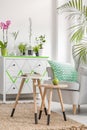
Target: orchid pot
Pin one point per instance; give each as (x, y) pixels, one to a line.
(4, 51)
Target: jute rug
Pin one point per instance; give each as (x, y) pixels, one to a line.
(24, 119)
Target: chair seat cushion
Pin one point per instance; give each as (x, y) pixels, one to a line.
(63, 71)
(72, 86)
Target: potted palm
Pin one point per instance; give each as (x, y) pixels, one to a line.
(77, 13)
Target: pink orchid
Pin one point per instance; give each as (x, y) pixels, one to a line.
(5, 26)
(0, 25)
(8, 22)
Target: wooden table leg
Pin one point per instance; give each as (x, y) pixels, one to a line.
(42, 104)
(49, 106)
(35, 104)
(40, 89)
(17, 97)
(61, 102)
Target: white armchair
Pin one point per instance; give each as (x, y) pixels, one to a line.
(76, 92)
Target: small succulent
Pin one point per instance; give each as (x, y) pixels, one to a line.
(36, 48)
(22, 47)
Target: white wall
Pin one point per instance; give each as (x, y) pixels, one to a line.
(18, 11)
(64, 45)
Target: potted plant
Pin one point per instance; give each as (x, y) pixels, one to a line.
(22, 48)
(3, 46)
(77, 13)
(40, 41)
(36, 50)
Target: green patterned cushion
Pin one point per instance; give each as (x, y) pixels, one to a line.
(64, 72)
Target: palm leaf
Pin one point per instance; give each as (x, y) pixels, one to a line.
(73, 14)
(73, 3)
(77, 35)
(86, 12)
(80, 51)
(77, 12)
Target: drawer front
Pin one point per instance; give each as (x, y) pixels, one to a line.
(16, 67)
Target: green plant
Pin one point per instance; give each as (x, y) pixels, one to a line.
(22, 47)
(36, 48)
(3, 44)
(41, 40)
(77, 13)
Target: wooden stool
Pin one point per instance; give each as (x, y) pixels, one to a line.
(36, 83)
(51, 87)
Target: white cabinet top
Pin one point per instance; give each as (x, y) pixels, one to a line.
(24, 57)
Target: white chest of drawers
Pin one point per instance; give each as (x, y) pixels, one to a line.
(12, 67)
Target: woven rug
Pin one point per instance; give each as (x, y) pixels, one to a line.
(24, 119)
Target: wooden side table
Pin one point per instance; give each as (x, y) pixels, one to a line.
(36, 83)
(51, 87)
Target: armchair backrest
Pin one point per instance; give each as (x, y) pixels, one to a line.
(75, 58)
(83, 84)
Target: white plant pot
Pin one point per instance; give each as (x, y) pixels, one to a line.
(40, 52)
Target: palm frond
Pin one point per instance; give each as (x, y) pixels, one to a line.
(76, 26)
(77, 35)
(73, 3)
(86, 12)
(80, 51)
(77, 12)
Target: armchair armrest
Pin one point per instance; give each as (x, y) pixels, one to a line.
(83, 70)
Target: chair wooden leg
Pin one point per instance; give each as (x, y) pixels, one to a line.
(42, 104)
(61, 102)
(74, 109)
(17, 97)
(79, 108)
(40, 89)
(35, 103)
(49, 106)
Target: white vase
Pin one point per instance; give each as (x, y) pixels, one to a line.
(13, 51)
(40, 52)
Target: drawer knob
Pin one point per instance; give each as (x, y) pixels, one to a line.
(13, 64)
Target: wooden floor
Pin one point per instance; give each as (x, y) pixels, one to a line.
(80, 117)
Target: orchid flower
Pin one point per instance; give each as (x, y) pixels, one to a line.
(4, 27)
(8, 22)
